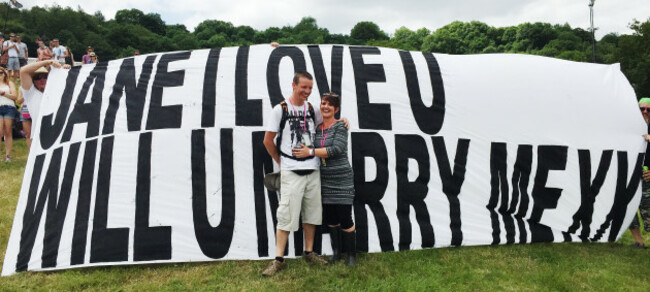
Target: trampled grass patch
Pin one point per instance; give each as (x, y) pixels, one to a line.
(559, 266)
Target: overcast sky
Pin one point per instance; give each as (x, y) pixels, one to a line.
(339, 16)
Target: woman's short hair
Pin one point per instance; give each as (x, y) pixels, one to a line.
(333, 99)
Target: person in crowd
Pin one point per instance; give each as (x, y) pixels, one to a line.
(23, 54)
(43, 52)
(93, 58)
(7, 111)
(69, 58)
(86, 58)
(59, 51)
(644, 205)
(300, 191)
(136, 53)
(337, 178)
(33, 78)
(10, 47)
(25, 119)
(3, 57)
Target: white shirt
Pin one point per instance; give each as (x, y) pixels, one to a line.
(299, 128)
(22, 47)
(59, 53)
(13, 52)
(33, 98)
(5, 100)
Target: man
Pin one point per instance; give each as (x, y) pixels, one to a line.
(33, 78)
(644, 206)
(23, 54)
(3, 58)
(13, 65)
(59, 51)
(300, 178)
(43, 52)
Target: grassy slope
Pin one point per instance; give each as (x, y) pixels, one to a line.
(573, 266)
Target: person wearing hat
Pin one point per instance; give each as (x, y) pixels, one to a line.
(644, 205)
(93, 58)
(7, 111)
(33, 80)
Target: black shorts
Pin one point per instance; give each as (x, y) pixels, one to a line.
(22, 61)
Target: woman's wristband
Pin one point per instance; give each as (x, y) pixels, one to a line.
(311, 151)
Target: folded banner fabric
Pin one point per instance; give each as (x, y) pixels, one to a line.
(159, 158)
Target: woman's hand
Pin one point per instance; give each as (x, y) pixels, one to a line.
(301, 152)
(646, 176)
(646, 137)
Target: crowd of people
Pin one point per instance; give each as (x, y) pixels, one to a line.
(14, 56)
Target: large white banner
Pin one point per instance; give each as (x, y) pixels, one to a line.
(159, 158)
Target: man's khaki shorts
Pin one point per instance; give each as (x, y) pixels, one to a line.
(299, 194)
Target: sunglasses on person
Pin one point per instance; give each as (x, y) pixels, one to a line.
(39, 77)
(644, 109)
(332, 94)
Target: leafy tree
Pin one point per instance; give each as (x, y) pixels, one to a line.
(634, 56)
(154, 23)
(461, 38)
(132, 16)
(364, 31)
(534, 36)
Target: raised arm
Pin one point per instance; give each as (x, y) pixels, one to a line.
(27, 71)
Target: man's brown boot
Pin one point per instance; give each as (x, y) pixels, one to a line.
(274, 267)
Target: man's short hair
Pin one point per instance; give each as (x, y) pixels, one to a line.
(303, 74)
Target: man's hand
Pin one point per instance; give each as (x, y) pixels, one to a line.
(346, 122)
(646, 137)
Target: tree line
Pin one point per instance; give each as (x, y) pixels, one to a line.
(132, 29)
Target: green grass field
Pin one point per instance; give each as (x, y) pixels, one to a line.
(573, 266)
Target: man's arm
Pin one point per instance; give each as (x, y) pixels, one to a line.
(27, 70)
(270, 146)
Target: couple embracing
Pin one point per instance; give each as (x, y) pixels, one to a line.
(317, 184)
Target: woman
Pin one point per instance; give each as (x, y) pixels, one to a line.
(93, 58)
(7, 111)
(86, 58)
(70, 58)
(26, 119)
(337, 179)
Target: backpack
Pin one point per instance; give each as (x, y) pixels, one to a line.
(4, 59)
(283, 122)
